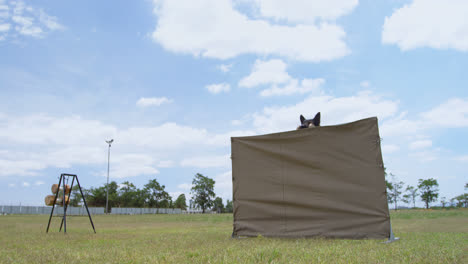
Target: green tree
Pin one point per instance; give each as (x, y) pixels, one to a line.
(389, 188)
(75, 196)
(443, 201)
(452, 202)
(202, 191)
(229, 208)
(157, 196)
(410, 195)
(166, 203)
(181, 202)
(140, 199)
(218, 205)
(389, 192)
(429, 191)
(113, 194)
(406, 199)
(97, 196)
(127, 194)
(394, 190)
(462, 200)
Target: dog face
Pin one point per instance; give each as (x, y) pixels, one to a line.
(306, 123)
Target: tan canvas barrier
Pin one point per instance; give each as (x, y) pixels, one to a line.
(325, 181)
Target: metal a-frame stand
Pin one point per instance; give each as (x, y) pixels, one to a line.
(392, 237)
(65, 204)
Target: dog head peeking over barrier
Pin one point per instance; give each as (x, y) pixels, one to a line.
(306, 123)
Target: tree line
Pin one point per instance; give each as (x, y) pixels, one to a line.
(427, 191)
(153, 195)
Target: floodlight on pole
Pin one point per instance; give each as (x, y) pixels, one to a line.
(108, 166)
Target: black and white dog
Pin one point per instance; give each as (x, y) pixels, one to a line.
(306, 123)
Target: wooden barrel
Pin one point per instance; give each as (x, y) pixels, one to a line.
(55, 188)
(49, 200)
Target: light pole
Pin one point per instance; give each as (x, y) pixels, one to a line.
(108, 165)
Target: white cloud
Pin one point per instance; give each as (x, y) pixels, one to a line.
(165, 164)
(294, 87)
(26, 26)
(26, 184)
(364, 84)
(4, 15)
(49, 21)
(266, 72)
(450, 114)
(428, 23)
(170, 136)
(38, 183)
(273, 72)
(241, 121)
(19, 7)
(213, 28)
(153, 101)
(136, 150)
(207, 162)
(224, 139)
(44, 129)
(305, 11)
(4, 27)
(335, 110)
(26, 20)
(400, 127)
(237, 122)
(388, 149)
(19, 19)
(20, 167)
(424, 156)
(218, 88)
(453, 113)
(174, 195)
(420, 144)
(462, 158)
(223, 185)
(3, 7)
(11, 185)
(132, 165)
(225, 67)
(185, 186)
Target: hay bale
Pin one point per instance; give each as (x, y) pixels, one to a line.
(55, 188)
(49, 200)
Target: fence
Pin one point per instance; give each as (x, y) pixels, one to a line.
(17, 209)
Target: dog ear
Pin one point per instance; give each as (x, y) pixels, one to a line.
(317, 119)
(302, 118)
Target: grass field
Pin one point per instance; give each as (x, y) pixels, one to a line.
(439, 236)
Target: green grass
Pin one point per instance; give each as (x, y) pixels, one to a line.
(427, 236)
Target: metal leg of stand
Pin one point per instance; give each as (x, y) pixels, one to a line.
(64, 211)
(66, 205)
(53, 206)
(84, 201)
(392, 237)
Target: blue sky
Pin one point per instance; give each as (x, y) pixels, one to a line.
(172, 81)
